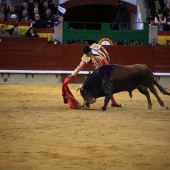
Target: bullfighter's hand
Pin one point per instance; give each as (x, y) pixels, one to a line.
(68, 79)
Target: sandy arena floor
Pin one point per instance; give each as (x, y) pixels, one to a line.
(39, 132)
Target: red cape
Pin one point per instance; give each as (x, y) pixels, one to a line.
(69, 98)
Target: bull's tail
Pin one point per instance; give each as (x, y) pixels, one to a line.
(162, 90)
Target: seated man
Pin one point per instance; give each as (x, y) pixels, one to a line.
(153, 42)
(53, 40)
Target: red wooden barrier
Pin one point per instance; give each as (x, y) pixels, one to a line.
(36, 54)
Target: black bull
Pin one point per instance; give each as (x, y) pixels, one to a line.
(110, 79)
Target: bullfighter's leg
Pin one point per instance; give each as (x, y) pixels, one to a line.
(153, 90)
(144, 91)
(114, 103)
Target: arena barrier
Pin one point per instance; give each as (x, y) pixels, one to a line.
(33, 60)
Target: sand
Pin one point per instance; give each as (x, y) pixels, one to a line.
(39, 132)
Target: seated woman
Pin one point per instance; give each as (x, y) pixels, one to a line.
(16, 32)
(31, 33)
(160, 21)
(4, 32)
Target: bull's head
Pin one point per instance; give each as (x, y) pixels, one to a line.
(87, 95)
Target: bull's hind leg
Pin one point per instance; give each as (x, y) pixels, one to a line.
(144, 91)
(153, 90)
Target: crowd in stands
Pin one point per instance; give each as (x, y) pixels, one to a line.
(137, 42)
(41, 13)
(44, 14)
(37, 13)
(159, 14)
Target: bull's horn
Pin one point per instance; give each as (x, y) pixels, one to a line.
(81, 85)
(78, 89)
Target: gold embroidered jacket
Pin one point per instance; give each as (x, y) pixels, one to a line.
(96, 61)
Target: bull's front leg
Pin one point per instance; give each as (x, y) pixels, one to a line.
(86, 104)
(106, 101)
(108, 95)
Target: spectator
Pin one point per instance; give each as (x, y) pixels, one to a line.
(16, 32)
(13, 18)
(74, 41)
(156, 9)
(167, 8)
(2, 10)
(136, 42)
(141, 42)
(4, 32)
(7, 6)
(19, 2)
(49, 18)
(24, 14)
(151, 23)
(160, 21)
(35, 11)
(155, 4)
(51, 4)
(153, 42)
(2, 17)
(125, 43)
(24, 6)
(53, 40)
(31, 33)
(44, 7)
(60, 19)
(31, 5)
(36, 5)
(25, 17)
(38, 22)
(122, 42)
(168, 19)
(11, 12)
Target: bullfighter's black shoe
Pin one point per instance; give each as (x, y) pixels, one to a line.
(116, 105)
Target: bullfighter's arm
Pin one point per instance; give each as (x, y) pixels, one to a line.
(78, 69)
(84, 60)
(106, 53)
